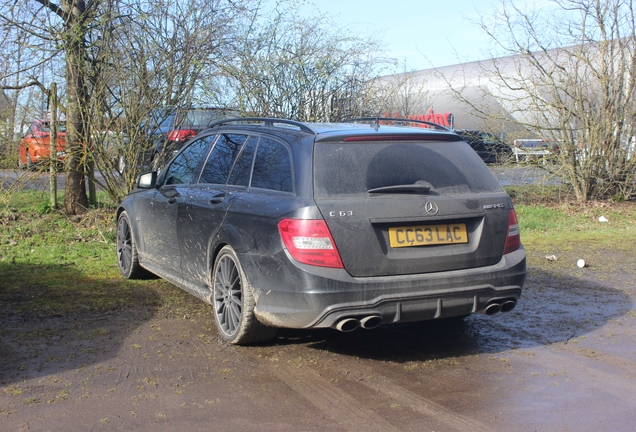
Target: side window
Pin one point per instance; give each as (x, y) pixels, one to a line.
(219, 163)
(184, 168)
(272, 168)
(240, 175)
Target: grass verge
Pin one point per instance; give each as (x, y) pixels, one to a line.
(52, 264)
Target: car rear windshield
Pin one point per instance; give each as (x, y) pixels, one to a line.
(349, 169)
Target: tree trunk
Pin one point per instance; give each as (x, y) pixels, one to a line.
(75, 199)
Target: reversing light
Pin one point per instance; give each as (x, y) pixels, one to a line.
(310, 242)
(513, 239)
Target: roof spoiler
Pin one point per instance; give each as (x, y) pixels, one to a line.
(377, 120)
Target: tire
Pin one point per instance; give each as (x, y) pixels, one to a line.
(127, 256)
(233, 303)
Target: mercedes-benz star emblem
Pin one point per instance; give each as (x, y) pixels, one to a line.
(431, 208)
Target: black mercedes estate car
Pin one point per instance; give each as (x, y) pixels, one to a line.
(277, 223)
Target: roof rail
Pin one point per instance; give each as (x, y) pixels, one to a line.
(377, 121)
(266, 122)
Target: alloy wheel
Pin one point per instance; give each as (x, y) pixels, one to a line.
(124, 246)
(228, 295)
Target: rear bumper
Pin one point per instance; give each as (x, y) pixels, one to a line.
(317, 297)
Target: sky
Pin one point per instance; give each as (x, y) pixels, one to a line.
(420, 33)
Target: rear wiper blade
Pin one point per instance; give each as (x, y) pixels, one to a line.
(419, 186)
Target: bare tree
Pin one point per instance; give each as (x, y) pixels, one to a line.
(302, 68)
(64, 26)
(26, 63)
(148, 59)
(123, 62)
(569, 75)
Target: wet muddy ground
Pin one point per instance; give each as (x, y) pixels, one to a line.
(563, 360)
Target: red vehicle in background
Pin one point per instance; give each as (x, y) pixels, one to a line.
(35, 146)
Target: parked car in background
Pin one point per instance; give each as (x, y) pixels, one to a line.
(277, 223)
(35, 146)
(535, 148)
(487, 145)
(170, 128)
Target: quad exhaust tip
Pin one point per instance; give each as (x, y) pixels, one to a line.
(347, 325)
(350, 324)
(508, 305)
(505, 305)
(371, 322)
(493, 308)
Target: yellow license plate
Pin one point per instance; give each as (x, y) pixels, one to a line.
(427, 235)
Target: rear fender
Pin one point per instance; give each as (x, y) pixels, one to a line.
(227, 235)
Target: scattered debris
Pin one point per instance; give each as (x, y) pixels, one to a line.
(582, 263)
(603, 219)
(551, 257)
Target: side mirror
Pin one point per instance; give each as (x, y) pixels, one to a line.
(147, 180)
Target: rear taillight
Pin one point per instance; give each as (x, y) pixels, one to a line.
(181, 135)
(513, 239)
(310, 242)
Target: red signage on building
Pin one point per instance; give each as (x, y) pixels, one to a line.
(446, 120)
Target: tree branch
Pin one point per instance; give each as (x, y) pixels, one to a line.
(57, 10)
(33, 82)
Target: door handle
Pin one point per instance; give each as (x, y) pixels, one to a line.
(217, 199)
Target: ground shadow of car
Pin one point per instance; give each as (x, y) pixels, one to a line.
(553, 308)
(38, 339)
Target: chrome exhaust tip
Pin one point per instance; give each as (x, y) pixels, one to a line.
(347, 325)
(492, 309)
(508, 305)
(371, 322)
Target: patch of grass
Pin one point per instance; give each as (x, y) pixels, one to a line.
(48, 258)
(570, 225)
(13, 390)
(551, 219)
(31, 401)
(39, 201)
(64, 266)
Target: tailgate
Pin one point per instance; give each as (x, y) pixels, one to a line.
(461, 222)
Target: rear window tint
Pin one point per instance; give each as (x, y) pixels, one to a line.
(272, 168)
(346, 169)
